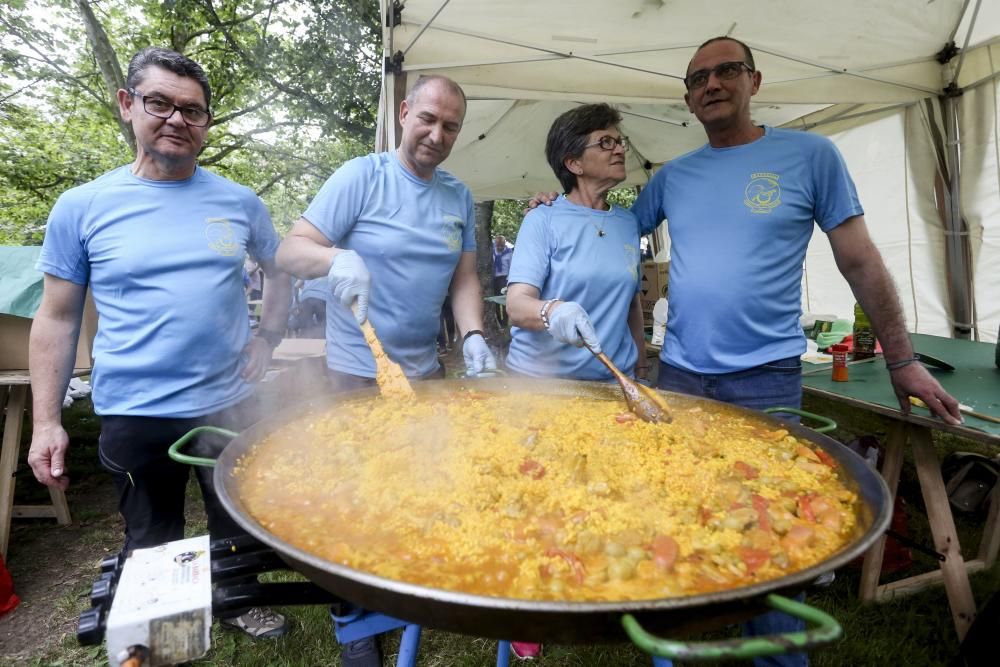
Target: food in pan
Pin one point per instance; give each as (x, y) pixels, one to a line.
(544, 497)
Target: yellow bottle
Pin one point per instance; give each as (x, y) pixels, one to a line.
(864, 335)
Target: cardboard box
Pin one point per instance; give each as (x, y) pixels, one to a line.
(655, 276)
(15, 331)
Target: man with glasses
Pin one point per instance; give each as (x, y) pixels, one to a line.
(741, 211)
(161, 244)
(761, 189)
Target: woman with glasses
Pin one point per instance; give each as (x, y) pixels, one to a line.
(574, 277)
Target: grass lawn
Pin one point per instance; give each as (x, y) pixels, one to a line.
(915, 630)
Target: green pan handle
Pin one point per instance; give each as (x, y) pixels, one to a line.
(175, 449)
(828, 424)
(827, 630)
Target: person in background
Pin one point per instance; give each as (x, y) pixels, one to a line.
(502, 254)
(161, 244)
(312, 308)
(393, 234)
(576, 259)
(254, 278)
(447, 335)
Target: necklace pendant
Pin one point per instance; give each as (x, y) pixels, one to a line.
(600, 232)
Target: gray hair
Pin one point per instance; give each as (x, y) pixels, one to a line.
(171, 61)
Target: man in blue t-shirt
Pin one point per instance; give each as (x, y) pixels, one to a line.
(741, 211)
(161, 244)
(394, 234)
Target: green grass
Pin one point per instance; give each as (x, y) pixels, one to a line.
(913, 631)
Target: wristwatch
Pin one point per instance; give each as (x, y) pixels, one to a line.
(272, 338)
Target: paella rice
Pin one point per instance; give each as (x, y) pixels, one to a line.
(548, 497)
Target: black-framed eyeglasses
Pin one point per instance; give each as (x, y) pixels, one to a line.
(723, 71)
(161, 108)
(608, 143)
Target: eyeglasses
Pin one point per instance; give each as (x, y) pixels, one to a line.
(722, 71)
(608, 143)
(161, 108)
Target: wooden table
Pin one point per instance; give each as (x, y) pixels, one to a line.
(15, 396)
(974, 382)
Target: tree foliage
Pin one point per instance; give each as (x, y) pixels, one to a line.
(295, 93)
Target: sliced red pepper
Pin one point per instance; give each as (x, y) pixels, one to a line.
(826, 458)
(625, 417)
(704, 514)
(754, 559)
(579, 572)
(760, 506)
(665, 550)
(532, 469)
(746, 471)
(805, 508)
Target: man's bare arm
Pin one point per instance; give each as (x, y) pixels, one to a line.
(861, 264)
(51, 352)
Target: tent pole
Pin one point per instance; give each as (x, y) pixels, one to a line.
(956, 234)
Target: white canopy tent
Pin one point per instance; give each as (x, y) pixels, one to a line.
(864, 72)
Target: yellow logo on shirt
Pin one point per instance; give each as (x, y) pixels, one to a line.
(220, 236)
(763, 193)
(451, 226)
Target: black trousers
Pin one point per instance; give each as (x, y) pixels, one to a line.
(151, 486)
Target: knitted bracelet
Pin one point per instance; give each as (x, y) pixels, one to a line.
(903, 363)
(543, 312)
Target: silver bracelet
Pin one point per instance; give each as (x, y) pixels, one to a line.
(903, 363)
(543, 312)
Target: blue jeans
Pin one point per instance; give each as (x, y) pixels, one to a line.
(778, 383)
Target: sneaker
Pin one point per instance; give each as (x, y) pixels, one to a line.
(525, 650)
(361, 653)
(824, 580)
(258, 622)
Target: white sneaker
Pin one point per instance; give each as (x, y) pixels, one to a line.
(258, 622)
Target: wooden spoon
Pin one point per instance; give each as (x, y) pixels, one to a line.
(391, 380)
(646, 403)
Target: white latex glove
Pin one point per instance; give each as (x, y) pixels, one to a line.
(349, 280)
(478, 357)
(569, 323)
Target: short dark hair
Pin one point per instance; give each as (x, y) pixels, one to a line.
(568, 137)
(425, 79)
(171, 61)
(747, 53)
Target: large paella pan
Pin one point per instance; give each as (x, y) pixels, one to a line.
(542, 610)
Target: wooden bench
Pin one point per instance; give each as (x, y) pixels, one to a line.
(15, 397)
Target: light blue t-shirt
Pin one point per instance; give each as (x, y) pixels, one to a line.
(411, 234)
(164, 261)
(561, 251)
(317, 288)
(740, 220)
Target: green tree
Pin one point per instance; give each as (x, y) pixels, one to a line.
(295, 92)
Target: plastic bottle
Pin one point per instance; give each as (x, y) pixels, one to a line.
(864, 336)
(839, 363)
